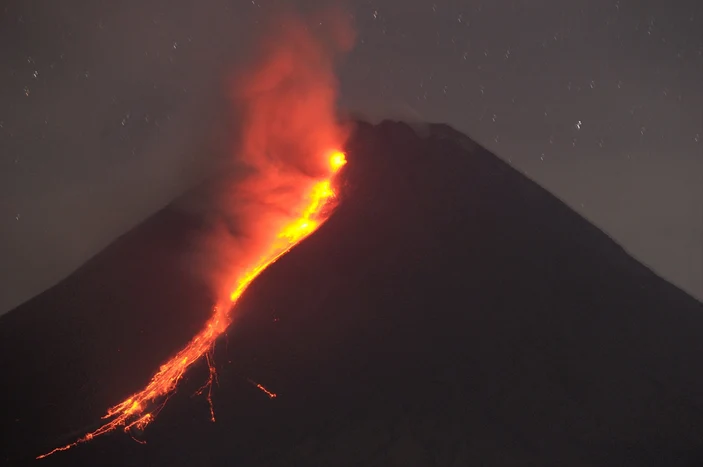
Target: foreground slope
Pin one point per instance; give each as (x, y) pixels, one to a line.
(451, 312)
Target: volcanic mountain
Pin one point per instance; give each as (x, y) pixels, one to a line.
(450, 313)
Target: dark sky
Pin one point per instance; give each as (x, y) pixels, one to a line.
(107, 109)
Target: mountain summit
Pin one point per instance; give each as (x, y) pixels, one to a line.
(451, 312)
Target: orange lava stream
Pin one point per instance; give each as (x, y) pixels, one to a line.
(140, 409)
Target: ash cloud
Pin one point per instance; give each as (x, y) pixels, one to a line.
(284, 103)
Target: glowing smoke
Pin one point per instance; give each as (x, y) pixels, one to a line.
(285, 106)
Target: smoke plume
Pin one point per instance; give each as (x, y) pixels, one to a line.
(284, 103)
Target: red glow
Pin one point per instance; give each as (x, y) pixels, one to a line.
(291, 140)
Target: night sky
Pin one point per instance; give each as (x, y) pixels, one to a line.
(108, 109)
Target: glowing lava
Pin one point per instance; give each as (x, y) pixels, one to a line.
(262, 388)
(337, 160)
(140, 409)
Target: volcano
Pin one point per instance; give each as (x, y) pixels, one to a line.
(451, 312)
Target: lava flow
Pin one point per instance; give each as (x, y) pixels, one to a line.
(138, 410)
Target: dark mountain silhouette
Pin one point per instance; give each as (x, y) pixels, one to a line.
(450, 313)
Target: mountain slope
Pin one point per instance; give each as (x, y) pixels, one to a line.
(451, 312)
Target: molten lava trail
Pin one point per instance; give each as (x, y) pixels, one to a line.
(140, 409)
(262, 388)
